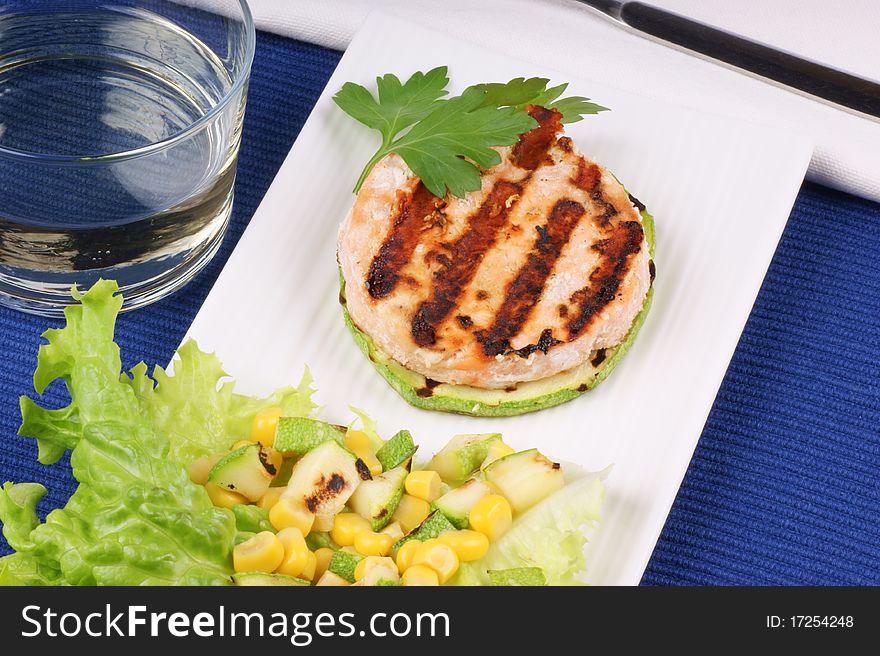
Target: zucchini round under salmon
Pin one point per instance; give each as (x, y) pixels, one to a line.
(517, 297)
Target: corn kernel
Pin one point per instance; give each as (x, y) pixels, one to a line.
(346, 526)
(491, 516)
(467, 545)
(296, 553)
(264, 425)
(363, 568)
(439, 557)
(356, 440)
(411, 511)
(420, 575)
(394, 530)
(406, 553)
(322, 558)
(223, 498)
(270, 498)
(262, 553)
(198, 469)
(311, 567)
(240, 444)
(289, 512)
(424, 484)
(373, 544)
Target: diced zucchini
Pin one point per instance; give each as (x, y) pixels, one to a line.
(324, 479)
(462, 456)
(457, 503)
(376, 500)
(328, 578)
(434, 524)
(396, 450)
(519, 576)
(299, 435)
(246, 471)
(525, 478)
(344, 562)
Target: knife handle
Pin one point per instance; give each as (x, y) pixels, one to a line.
(809, 77)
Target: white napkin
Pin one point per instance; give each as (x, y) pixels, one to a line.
(567, 36)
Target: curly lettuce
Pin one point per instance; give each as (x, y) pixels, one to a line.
(135, 517)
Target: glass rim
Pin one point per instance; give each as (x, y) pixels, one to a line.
(195, 126)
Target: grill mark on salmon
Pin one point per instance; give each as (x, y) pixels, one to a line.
(616, 253)
(531, 151)
(545, 342)
(398, 247)
(464, 257)
(525, 289)
(589, 178)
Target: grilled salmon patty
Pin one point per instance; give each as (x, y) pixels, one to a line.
(520, 280)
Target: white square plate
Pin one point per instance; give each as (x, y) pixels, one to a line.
(720, 190)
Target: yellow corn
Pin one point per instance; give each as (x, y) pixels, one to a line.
(270, 498)
(406, 553)
(467, 545)
(373, 544)
(264, 425)
(420, 575)
(438, 556)
(423, 484)
(491, 516)
(262, 553)
(223, 498)
(290, 512)
(368, 563)
(357, 440)
(394, 530)
(240, 444)
(198, 469)
(296, 553)
(346, 526)
(411, 511)
(311, 567)
(322, 558)
(497, 449)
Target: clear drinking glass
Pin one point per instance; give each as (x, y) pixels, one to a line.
(120, 122)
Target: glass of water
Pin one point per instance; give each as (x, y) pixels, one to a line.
(120, 122)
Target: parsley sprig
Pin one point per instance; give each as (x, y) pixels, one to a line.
(444, 140)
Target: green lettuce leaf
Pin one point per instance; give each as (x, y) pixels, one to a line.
(135, 517)
(368, 426)
(196, 405)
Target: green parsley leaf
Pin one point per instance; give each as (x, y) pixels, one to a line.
(521, 92)
(399, 105)
(442, 140)
(458, 128)
(574, 108)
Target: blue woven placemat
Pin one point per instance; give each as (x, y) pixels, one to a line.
(784, 487)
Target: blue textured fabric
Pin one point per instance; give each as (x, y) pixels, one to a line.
(784, 487)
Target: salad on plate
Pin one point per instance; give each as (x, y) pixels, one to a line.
(184, 481)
